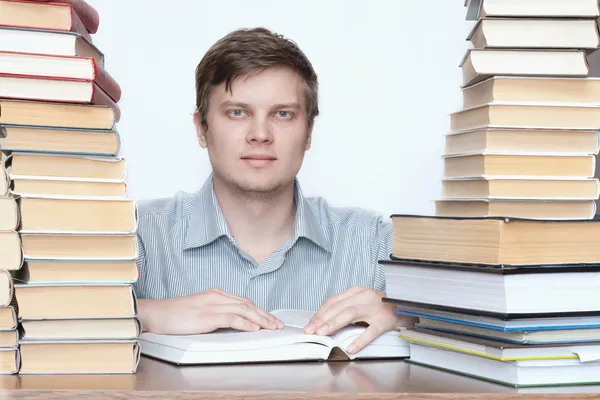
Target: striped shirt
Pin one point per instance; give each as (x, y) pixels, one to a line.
(185, 247)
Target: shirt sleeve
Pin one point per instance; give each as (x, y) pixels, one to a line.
(382, 248)
(141, 265)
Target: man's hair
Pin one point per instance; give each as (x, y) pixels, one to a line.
(247, 51)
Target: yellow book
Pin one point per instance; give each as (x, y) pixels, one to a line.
(497, 350)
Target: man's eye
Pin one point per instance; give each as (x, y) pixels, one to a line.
(236, 113)
(284, 114)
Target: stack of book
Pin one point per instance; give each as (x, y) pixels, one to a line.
(505, 277)
(67, 245)
(525, 140)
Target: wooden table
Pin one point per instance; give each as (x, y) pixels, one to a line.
(335, 380)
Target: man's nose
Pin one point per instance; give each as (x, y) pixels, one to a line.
(260, 131)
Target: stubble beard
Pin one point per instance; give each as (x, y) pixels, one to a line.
(253, 189)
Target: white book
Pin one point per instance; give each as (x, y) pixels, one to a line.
(477, 9)
(480, 64)
(42, 41)
(501, 292)
(522, 373)
(528, 33)
(288, 344)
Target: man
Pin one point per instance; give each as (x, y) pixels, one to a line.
(249, 242)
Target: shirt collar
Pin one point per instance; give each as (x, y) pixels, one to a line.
(207, 222)
(306, 222)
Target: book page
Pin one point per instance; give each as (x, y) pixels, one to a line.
(346, 335)
(386, 345)
(300, 318)
(234, 340)
(294, 318)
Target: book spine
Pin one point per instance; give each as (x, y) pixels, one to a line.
(107, 83)
(77, 25)
(87, 14)
(99, 97)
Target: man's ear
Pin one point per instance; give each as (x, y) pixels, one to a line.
(200, 130)
(308, 138)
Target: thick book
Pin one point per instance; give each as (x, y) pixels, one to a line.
(501, 351)
(506, 322)
(34, 14)
(79, 356)
(79, 329)
(72, 247)
(66, 166)
(551, 188)
(522, 141)
(495, 240)
(11, 253)
(4, 182)
(522, 373)
(45, 41)
(477, 9)
(58, 90)
(67, 188)
(89, 15)
(528, 33)
(57, 115)
(75, 301)
(56, 140)
(62, 215)
(532, 89)
(472, 318)
(288, 344)
(532, 336)
(500, 290)
(568, 209)
(480, 64)
(10, 360)
(527, 115)
(75, 68)
(520, 165)
(9, 213)
(72, 271)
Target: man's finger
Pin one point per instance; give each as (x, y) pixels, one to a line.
(346, 316)
(251, 313)
(324, 316)
(370, 334)
(325, 308)
(340, 296)
(223, 293)
(233, 320)
(256, 314)
(228, 298)
(276, 322)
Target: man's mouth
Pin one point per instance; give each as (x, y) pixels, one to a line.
(259, 160)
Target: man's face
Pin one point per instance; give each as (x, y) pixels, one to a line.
(257, 133)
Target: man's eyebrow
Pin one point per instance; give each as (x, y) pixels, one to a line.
(230, 103)
(286, 105)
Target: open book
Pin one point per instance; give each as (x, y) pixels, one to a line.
(287, 344)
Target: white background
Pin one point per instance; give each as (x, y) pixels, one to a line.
(389, 78)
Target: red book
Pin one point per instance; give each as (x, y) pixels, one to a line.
(107, 83)
(59, 68)
(41, 15)
(99, 97)
(87, 14)
(55, 90)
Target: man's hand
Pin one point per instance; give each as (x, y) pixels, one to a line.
(357, 304)
(204, 312)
